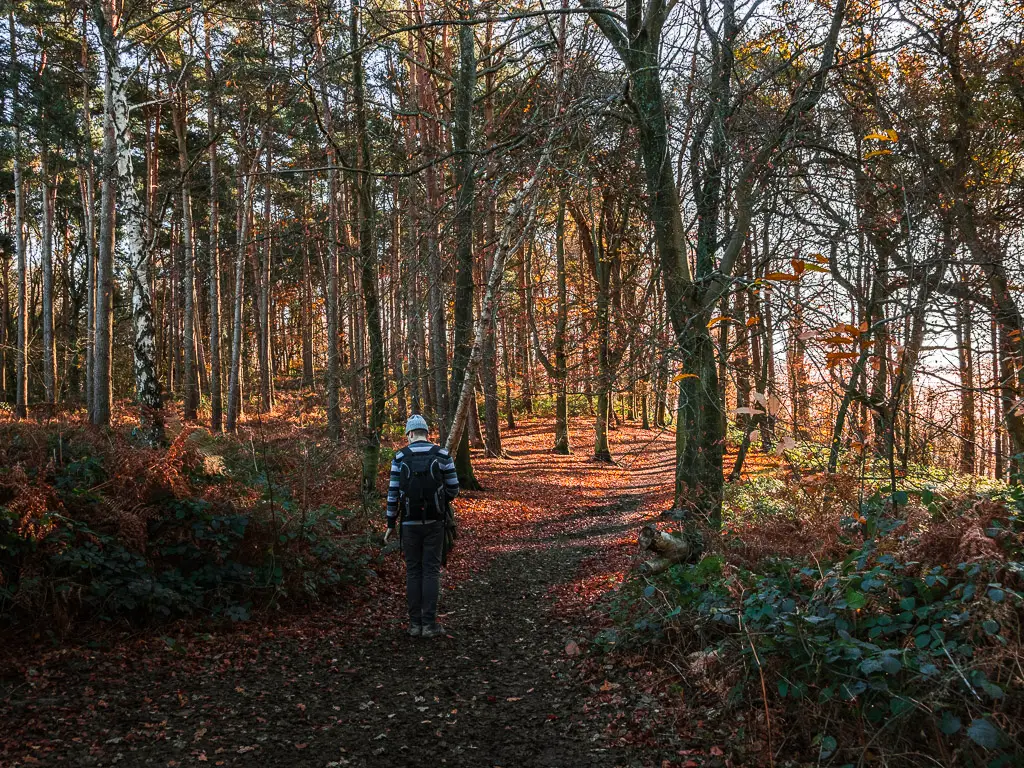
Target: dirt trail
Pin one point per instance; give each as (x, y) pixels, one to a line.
(502, 690)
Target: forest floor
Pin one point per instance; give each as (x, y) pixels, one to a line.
(513, 684)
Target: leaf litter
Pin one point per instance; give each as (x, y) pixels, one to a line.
(514, 683)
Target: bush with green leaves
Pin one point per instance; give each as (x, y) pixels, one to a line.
(875, 648)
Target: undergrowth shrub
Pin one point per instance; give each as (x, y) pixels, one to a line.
(906, 641)
(80, 539)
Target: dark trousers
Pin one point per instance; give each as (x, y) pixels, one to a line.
(421, 547)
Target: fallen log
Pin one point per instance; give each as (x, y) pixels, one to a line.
(666, 548)
(664, 543)
(655, 565)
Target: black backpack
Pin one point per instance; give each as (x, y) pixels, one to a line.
(422, 485)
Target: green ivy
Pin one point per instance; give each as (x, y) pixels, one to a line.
(900, 645)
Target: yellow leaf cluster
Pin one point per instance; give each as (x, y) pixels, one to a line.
(883, 134)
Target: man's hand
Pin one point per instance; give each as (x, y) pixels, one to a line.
(387, 533)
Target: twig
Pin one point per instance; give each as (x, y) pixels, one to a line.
(959, 671)
(764, 688)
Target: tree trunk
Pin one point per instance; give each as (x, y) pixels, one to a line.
(46, 264)
(562, 445)
(396, 338)
(190, 397)
(965, 353)
(997, 402)
(368, 266)
(86, 190)
(306, 319)
(519, 219)
(134, 253)
(263, 353)
(1011, 406)
(700, 425)
(235, 374)
(799, 383)
(333, 276)
(599, 255)
(489, 364)
(510, 419)
(103, 340)
(21, 354)
(741, 360)
(465, 200)
(213, 265)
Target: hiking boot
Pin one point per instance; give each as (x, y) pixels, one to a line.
(433, 630)
(415, 630)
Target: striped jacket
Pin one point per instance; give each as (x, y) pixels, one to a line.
(451, 478)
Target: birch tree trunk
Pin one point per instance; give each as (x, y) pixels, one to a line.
(134, 253)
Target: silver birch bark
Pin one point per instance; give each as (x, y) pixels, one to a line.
(134, 254)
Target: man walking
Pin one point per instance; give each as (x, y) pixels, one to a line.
(423, 481)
